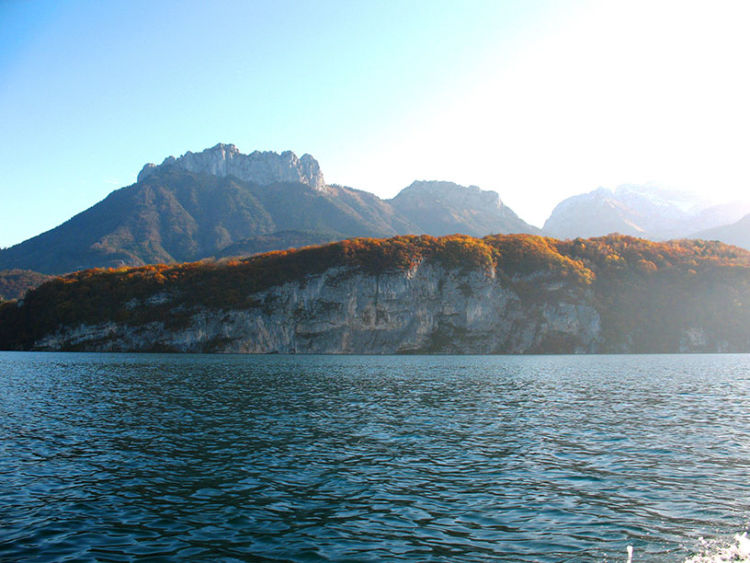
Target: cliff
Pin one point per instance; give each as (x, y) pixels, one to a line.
(259, 167)
(458, 294)
(427, 309)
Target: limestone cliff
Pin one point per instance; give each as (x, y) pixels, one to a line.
(425, 309)
(406, 294)
(258, 167)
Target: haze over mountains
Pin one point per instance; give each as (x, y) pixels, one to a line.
(737, 233)
(221, 202)
(642, 211)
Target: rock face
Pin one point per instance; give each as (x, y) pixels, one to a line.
(426, 309)
(262, 168)
(406, 294)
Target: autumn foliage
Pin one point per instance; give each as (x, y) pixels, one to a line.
(14, 283)
(632, 280)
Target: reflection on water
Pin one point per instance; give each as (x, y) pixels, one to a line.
(556, 458)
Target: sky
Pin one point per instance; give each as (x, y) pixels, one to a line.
(538, 100)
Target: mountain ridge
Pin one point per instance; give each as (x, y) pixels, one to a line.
(737, 233)
(639, 210)
(195, 206)
(219, 201)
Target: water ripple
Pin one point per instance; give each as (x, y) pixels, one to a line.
(117, 457)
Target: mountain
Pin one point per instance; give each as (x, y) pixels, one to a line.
(173, 215)
(407, 294)
(15, 283)
(441, 208)
(643, 211)
(258, 167)
(279, 240)
(737, 233)
(217, 201)
(632, 210)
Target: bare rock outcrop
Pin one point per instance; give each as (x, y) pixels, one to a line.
(259, 167)
(426, 310)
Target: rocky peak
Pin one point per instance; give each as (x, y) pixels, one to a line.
(452, 194)
(259, 167)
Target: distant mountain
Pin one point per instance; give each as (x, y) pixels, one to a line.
(442, 208)
(220, 201)
(737, 233)
(718, 216)
(643, 211)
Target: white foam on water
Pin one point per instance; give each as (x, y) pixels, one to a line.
(716, 551)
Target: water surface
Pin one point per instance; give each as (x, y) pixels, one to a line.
(113, 457)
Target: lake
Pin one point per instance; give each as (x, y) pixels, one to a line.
(112, 457)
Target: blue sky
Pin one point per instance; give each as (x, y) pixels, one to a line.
(537, 100)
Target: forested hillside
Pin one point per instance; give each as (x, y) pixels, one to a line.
(14, 283)
(649, 297)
